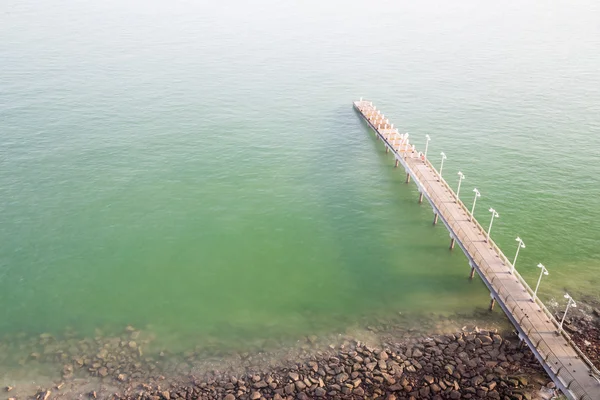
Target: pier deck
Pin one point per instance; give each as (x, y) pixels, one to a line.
(567, 366)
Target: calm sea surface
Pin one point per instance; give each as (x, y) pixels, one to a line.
(196, 167)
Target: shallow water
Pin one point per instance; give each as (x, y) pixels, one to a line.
(197, 170)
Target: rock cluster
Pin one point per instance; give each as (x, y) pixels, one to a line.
(468, 365)
(583, 324)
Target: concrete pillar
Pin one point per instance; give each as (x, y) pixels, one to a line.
(435, 218)
(492, 303)
(387, 149)
(407, 177)
(420, 197)
(396, 163)
(452, 240)
(472, 273)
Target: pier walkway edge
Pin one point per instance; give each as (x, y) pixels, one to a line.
(572, 372)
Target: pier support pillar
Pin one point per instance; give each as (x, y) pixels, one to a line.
(420, 197)
(435, 218)
(396, 163)
(387, 149)
(407, 177)
(492, 304)
(472, 273)
(452, 240)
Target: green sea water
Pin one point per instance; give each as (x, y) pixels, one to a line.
(196, 168)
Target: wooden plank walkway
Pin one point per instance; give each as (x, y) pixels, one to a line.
(566, 365)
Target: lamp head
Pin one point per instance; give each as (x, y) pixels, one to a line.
(443, 155)
(461, 175)
(477, 194)
(566, 296)
(427, 137)
(496, 215)
(545, 271)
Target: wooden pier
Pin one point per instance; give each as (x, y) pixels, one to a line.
(572, 372)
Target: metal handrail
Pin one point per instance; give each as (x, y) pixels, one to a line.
(515, 272)
(507, 298)
(502, 292)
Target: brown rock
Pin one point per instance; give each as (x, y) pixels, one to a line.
(261, 384)
(478, 380)
(320, 392)
(343, 377)
(255, 396)
(493, 395)
(232, 397)
(294, 376)
(289, 389)
(8, 388)
(166, 395)
(388, 378)
(359, 391)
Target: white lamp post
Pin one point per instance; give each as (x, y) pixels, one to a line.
(543, 272)
(521, 245)
(442, 166)
(426, 145)
(570, 303)
(461, 176)
(494, 215)
(477, 194)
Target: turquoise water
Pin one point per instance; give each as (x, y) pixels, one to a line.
(197, 169)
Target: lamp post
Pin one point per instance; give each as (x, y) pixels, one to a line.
(543, 272)
(461, 176)
(426, 145)
(442, 165)
(477, 194)
(521, 245)
(494, 215)
(570, 303)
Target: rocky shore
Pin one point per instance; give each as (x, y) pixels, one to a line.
(583, 324)
(468, 365)
(476, 364)
(385, 360)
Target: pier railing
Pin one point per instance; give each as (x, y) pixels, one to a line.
(571, 370)
(483, 265)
